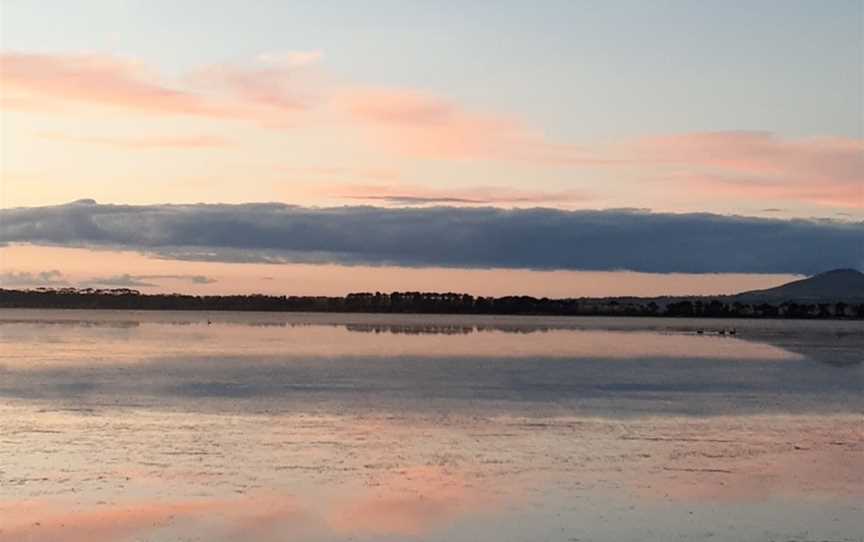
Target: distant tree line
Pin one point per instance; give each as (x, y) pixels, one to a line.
(424, 303)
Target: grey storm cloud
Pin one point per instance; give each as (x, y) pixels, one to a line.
(489, 237)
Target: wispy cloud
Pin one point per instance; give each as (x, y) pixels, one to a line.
(127, 280)
(276, 90)
(292, 59)
(30, 279)
(483, 195)
(466, 237)
(194, 279)
(55, 278)
(340, 173)
(119, 281)
(142, 143)
(826, 171)
(266, 92)
(426, 125)
(276, 84)
(96, 80)
(759, 165)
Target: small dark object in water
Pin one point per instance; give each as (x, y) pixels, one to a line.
(700, 331)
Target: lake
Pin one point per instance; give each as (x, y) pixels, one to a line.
(169, 426)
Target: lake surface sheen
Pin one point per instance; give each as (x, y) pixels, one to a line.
(170, 426)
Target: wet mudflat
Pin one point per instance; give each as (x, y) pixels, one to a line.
(162, 427)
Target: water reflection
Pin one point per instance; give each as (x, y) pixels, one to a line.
(593, 366)
(86, 340)
(131, 426)
(832, 342)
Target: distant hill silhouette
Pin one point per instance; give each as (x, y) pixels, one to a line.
(837, 285)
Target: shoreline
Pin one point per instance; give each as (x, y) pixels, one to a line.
(610, 315)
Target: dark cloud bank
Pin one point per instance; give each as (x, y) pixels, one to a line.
(447, 236)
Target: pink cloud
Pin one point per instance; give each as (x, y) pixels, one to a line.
(264, 93)
(292, 59)
(191, 142)
(828, 193)
(94, 80)
(279, 88)
(331, 173)
(761, 154)
(481, 195)
(278, 84)
(826, 171)
(428, 126)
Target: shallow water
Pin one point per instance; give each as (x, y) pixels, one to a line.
(162, 426)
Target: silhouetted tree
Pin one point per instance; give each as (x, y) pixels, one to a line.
(418, 302)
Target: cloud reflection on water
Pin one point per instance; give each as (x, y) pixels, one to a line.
(587, 365)
(408, 503)
(398, 478)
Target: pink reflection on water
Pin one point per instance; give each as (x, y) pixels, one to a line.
(57, 520)
(752, 459)
(412, 502)
(327, 478)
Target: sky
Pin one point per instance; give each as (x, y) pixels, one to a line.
(431, 143)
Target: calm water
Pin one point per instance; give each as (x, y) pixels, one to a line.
(119, 426)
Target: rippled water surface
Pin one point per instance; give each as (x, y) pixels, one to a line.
(127, 426)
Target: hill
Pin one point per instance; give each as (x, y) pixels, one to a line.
(837, 285)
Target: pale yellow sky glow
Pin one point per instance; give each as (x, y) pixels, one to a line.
(80, 267)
